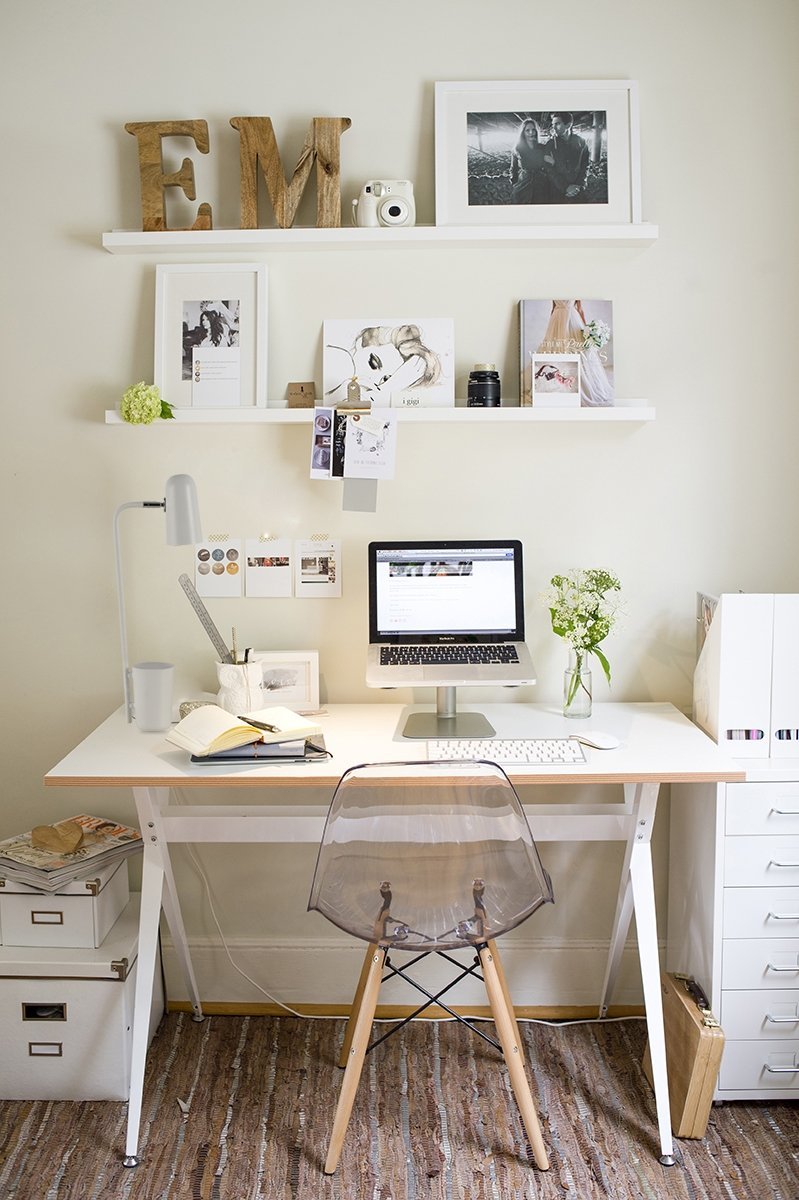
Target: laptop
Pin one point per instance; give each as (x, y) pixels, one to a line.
(447, 613)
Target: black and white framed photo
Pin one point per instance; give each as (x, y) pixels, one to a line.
(211, 335)
(553, 152)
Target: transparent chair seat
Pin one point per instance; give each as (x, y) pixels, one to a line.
(427, 856)
(430, 858)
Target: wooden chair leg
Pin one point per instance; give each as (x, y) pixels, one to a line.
(503, 983)
(514, 1056)
(355, 1007)
(357, 1053)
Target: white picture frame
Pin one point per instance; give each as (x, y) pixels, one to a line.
(480, 123)
(290, 678)
(555, 380)
(236, 294)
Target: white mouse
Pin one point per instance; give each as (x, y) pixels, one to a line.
(599, 741)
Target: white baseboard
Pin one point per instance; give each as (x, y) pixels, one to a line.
(314, 972)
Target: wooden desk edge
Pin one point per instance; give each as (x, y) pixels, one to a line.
(567, 776)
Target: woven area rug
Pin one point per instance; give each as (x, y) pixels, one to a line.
(434, 1119)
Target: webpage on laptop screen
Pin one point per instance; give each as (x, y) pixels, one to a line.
(438, 591)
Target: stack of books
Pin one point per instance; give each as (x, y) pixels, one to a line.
(103, 842)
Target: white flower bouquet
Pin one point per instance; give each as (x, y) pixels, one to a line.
(597, 334)
(583, 606)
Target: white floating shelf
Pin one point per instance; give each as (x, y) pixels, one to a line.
(254, 241)
(632, 410)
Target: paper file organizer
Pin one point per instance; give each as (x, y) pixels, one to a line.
(746, 683)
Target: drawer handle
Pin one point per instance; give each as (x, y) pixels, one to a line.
(772, 967)
(781, 1070)
(784, 916)
(786, 812)
(782, 1020)
(775, 862)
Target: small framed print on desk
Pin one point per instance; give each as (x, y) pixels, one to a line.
(211, 335)
(291, 677)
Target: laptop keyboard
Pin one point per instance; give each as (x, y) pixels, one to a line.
(457, 655)
(549, 752)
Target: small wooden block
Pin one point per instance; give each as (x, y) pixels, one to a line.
(61, 839)
(301, 395)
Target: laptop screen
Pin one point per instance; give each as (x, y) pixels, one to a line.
(446, 591)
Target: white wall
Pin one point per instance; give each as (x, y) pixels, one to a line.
(703, 497)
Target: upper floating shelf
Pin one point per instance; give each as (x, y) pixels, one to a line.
(254, 241)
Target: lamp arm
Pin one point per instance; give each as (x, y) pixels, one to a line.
(123, 637)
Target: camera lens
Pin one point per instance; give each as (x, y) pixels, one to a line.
(394, 212)
(484, 387)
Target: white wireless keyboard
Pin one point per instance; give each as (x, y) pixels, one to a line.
(548, 752)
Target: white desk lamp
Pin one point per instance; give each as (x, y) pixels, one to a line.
(182, 529)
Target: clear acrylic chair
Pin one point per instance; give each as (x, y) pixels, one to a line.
(427, 858)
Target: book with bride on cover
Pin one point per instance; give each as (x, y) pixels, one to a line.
(574, 327)
(210, 730)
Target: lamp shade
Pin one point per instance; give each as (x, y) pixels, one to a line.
(182, 511)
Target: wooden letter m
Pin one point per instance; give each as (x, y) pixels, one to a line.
(259, 145)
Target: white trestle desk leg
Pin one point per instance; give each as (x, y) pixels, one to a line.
(149, 917)
(624, 903)
(646, 926)
(637, 893)
(157, 888)
(148, 804)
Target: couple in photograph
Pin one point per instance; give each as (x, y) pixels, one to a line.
(552, 171)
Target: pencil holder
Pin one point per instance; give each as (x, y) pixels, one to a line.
(240, 686)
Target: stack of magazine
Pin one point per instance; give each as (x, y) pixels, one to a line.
(103, 842)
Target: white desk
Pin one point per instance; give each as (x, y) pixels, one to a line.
(659, 745)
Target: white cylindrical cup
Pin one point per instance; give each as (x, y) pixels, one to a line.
(240, 687)
(152, 695)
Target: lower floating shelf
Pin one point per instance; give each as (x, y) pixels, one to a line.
(633, 410)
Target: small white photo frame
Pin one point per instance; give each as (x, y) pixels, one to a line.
(291, 678)
(555, 380)
(216, 306)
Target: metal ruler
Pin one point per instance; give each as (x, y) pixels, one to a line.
(205, 619)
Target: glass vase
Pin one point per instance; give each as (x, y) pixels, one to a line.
(577, 694)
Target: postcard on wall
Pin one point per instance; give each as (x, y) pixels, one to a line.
(394, 361)
(268, 567)
(317, 569)
(217, 566)
(583, 327)
(370, 444)
(321, 443)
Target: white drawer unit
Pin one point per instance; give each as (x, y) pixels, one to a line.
(734, 920)
(66, 1017)
(80, 915)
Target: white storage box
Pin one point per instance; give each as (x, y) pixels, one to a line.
(78, 916)
(66, 1017)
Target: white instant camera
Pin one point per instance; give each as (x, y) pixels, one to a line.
(385, 202)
